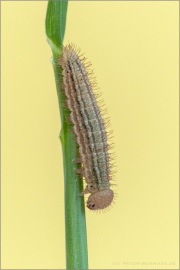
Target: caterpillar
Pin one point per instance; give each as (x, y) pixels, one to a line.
(89, 128)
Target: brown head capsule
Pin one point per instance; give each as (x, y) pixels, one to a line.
(100, 199)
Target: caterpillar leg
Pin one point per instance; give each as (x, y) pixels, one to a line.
(77, 160)
(85, 191)
(79, 171)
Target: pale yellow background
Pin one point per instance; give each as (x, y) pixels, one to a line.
(133, 47)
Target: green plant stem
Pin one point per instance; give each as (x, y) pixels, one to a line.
(75, 221)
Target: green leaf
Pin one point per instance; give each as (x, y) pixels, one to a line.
(56, 21)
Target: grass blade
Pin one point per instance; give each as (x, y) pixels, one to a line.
(75, 222)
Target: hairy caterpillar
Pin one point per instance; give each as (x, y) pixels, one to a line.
(89, 128)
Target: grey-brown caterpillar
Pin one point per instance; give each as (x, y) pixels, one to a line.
(89, 128)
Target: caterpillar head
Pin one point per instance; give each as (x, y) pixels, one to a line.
(100, 199)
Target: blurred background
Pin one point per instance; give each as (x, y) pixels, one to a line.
(133, 47)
